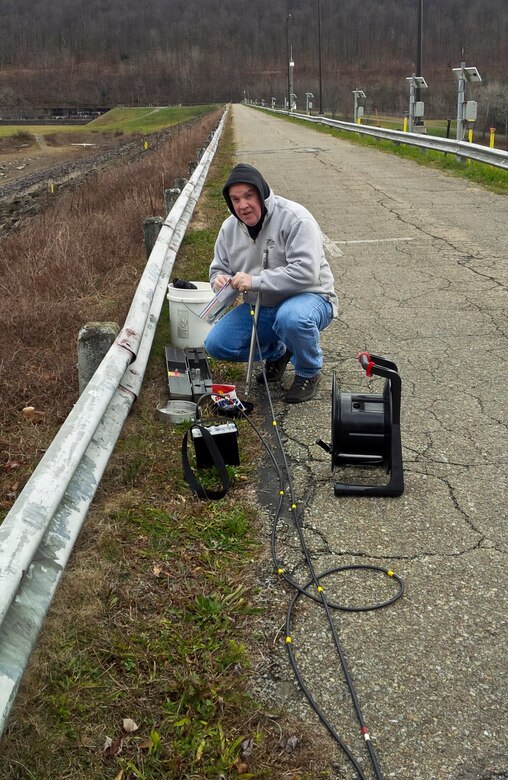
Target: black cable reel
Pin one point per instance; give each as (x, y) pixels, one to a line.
(366, 429)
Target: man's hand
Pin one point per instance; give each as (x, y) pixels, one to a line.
(242, 282)
(219, 282)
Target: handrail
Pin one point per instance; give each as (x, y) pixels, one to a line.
(39, 532)
(483, 154)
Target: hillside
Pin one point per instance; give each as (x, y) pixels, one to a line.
(89, 52)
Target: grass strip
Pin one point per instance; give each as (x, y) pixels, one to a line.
(145, 664)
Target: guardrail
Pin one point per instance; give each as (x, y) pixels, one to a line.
(483, 154)
(39, 532)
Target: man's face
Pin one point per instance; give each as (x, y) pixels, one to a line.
(246, 203)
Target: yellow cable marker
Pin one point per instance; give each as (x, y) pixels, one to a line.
(280, 571)
(252, 312)
(390, 573)
(320, 589)
(288, 640)
(293, 506)
(281, 492)
(274, 423)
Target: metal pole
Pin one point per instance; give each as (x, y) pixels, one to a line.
(288, 19)
(411, 116)
(291, 70)
(264, 263)
(419, 49)
(460, 102)
(355, 111)
(320, 61)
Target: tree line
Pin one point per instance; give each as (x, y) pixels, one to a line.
(102, 52)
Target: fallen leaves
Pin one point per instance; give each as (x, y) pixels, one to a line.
(112, 747)
(146, 744)
(158, 571)
(13, 464)
(31, 414)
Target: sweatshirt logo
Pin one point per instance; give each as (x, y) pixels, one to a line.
(270, 243)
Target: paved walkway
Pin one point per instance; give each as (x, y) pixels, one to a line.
(419, 260)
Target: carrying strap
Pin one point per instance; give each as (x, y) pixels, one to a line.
(218, 460)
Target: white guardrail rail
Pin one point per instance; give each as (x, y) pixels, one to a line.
(39, 532)
(483, 154)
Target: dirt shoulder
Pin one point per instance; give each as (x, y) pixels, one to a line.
(33, 168)
(29, 153)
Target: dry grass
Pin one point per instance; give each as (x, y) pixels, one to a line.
(78, 261)
(159, 616)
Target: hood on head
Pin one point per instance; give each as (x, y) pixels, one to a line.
(246, 174)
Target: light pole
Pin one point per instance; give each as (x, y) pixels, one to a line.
(319, 55)
(288, 20)
(419, 49)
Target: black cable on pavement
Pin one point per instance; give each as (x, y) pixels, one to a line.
(320, 596)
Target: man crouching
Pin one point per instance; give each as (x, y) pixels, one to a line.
(296, 286)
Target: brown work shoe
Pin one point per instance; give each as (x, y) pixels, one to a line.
(274, 369)
(303, 389)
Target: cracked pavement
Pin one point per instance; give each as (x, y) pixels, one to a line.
(419, 260)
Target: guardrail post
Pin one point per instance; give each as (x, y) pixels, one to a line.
(170, 198)
(180, 183)
(94, 341)
(192, 167)
(151, 229)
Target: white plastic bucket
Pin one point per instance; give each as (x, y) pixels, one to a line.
(186, 328)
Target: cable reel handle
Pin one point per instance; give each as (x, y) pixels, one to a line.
(366, 363)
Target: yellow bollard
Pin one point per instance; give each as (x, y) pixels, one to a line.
(404, 127)
(470, 139)
(145, 145)
(492, 136)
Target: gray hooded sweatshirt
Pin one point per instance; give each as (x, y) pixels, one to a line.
(296, 262)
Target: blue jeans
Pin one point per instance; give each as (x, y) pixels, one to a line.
(295, 323)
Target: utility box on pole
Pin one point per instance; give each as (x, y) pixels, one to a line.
(416, 107)
(358, 93)
(471, 111)
(464, 74)
(419, 108)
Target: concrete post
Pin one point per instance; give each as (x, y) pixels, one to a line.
(94, 341)
(170, 198)
(151, 229)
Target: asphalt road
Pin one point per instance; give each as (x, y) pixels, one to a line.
(419, 260)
